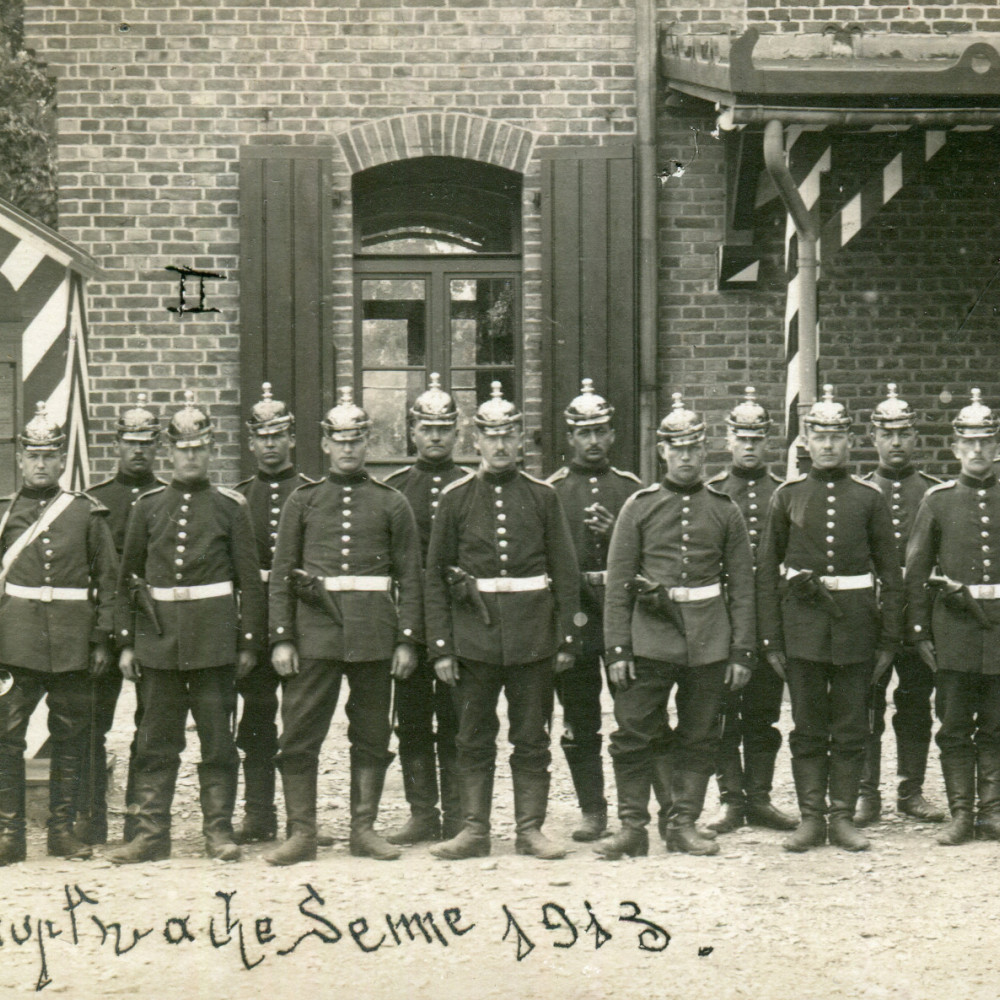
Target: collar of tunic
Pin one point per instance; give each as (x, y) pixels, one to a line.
(426, 465)
(351, 479)
(898, 475)
(743, 473)
(146, 479)
(829, 475)
(589, 470)
(669, 484)
(978, 484)
(276, 477)
(201, 484)
(41, 493)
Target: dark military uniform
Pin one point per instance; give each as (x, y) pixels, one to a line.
(579, 688)
(422, 697)
(955, 535)
(57, 605)
(830, 625)
(752, 713)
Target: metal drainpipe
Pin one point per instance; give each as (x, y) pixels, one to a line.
(645, 62)
(805, 227)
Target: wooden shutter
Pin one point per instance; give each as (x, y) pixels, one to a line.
(589, 303)
(285, 210)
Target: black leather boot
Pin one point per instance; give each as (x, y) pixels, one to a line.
(810, 774)
(633, 779)
(988, 788)
(587, 772)
(64, 786)
(451, 795)
(911, 764)
(367, 781)
(689, 789)
(153, 788)
(299, 785)
(845, 778)
(421, 790)
(960, 785)
(260, 819)
(531, 799)
(218, 800)
(868, 807)
(758, 779)
(661, 777)
(131, 825)
(473, 840)
(729, 775)
(13, 847)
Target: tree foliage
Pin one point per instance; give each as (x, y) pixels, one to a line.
(27, 121)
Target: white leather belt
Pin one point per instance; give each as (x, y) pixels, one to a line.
(374, 583)
(980, 591)
(596, 577)
(863, 581)
(684, 595)
(265, 575)
(512, 584)
(200, 592)
(48, 594)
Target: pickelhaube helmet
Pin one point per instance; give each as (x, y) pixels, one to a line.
(681, 426)
(893, 413)
(497, 414)
(827, 414)
(270, 415)
(190, 426)
(434, 405)
(137, 423)
(346, 421)
(41, 432)
(588, 409)
(975, 420)
(748, 418)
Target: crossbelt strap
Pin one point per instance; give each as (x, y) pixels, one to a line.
(367, 583)
(684, 595)
(48, 594)
(863, 581)
(198, 593)
(61, 502)
(511, 584)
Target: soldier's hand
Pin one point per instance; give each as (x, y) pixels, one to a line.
(600, 521)
(882, 664)
(129, 665)
(98, 659)
(245, 663)
(404, 661)
(446, 668)
(564, 661)
(621, 672)
(285, 659)
(925, 650)
(778, 662)
(737, 676)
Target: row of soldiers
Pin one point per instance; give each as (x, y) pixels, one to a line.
(450, 586)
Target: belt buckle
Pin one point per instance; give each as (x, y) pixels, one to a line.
(182, 593)
(681, 594)
(503, 584)
(348, 583)
(45, 595)
(830, 582)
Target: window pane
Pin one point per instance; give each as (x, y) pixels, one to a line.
(388, 396)
(482, 312)
(394, 323)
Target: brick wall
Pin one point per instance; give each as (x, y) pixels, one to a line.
(874, 15)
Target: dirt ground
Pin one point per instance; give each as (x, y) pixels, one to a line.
(907, 920)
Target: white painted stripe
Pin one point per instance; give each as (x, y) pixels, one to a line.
(850, 219)
(933, 141)
(21, 261)
(809, 188)
(892, 178)
(43, 331)
(972, 128)
(748, 273)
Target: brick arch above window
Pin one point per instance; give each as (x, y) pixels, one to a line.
(437, 133)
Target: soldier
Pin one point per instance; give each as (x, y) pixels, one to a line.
(954, 538)
(752, 713)
(344, 544)
(189, 554)
(137, 436)
(502, 589)
(668, 622)
(272, 440)
(592, 492)
(894, 435)
(821, 624)
(57, 579)
(422, 697)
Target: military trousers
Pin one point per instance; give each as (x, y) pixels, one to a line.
(420, 700)
(579, 693)
(209, 694)
(829, 709)
(752, 713)
(968, 706)
(641, 714)
(257, 733)
(309, 699)
(70, 699)
(528, 689)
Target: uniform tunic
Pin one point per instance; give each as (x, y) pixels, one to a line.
(957, 529)
(266, 495)
(751, 489)
(834, 524)
(76, 550)
(903, 490)
(348, 525)
(189, 535)
(422, 484)
(681, 536)
(119, 495)
(495, 525)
